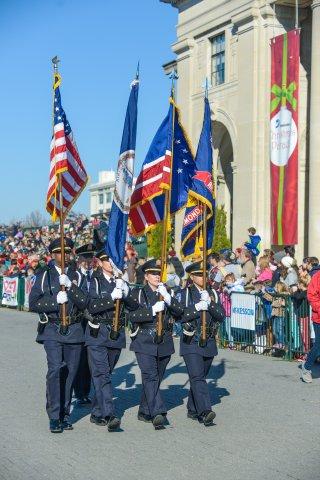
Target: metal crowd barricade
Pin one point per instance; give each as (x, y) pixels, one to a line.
(300, 327)
(21, 293)
(275, 325)
(268, 324)
(20, 299)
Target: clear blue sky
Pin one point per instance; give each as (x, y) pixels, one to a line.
(99, 43)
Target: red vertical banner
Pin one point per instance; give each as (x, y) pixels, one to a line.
(285, 60)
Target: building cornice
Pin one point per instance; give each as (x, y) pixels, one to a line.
(97, 186)
(183, 46)
(174, 3)
(169, 66)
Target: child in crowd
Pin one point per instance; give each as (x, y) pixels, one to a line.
(263, 270)
(233, 285)
(253, 245)
(229, 285)
(301, 306)
(278, 315)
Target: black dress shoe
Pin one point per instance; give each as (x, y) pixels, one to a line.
(66, 425)
(158, 422)
(207, 418)
(192, 415)
(113, 423)
(55, 426)
(98, 421)
(83, 401)
(144, 417)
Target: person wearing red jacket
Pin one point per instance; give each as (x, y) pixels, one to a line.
(313, 295)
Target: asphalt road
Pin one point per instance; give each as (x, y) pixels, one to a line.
(267, 424)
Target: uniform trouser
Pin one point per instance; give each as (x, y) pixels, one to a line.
(102, 361)
(152, 372)
(198, 368)
(82, 381)
(63, 361)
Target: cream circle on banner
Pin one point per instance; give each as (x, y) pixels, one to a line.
(283, 131)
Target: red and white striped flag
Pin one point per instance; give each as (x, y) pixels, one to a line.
(64, 161)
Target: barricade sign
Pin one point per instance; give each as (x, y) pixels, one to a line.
(10, 291)
(243, 311)
(28, 284)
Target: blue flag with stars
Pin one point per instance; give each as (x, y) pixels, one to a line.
(201, 193)
(183, 166)
(147, 210)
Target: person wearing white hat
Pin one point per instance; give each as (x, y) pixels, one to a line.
(289, 272)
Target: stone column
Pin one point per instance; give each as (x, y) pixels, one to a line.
(314, 154)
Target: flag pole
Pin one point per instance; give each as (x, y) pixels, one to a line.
(203, 336)
(63, 307)
(203, 331)
(166, 218)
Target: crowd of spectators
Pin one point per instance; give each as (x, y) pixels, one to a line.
(24, 250)
(269, 275)
(280, 285)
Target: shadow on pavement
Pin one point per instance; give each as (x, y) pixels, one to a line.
(174, 395)
(129, 396)
(123, 397)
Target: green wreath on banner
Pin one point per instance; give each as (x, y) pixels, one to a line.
(284, 92)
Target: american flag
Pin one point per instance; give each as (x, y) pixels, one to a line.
(64, 161)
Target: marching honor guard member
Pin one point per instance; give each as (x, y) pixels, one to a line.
(103, 350)
(152, 357)
(198, 359)
(63, 347)
(82, 383)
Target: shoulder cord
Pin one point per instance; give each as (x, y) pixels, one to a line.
(188, 294)
(49, 282)
(215, 295)
(145, 296)
(98, 286)
(81, 279)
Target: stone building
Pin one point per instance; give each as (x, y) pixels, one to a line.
(101, 193)
(228, 41)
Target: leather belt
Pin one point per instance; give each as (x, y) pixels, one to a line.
(56, 321)
(150, 331)
(146, 326)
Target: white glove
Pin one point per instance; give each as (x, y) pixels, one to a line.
(164, 293)
(202, 305)
(205, 297)
(65, 280)
(116, 294)
(157, 307)
(62, 297)
(123, 286)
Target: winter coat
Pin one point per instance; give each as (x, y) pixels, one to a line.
(265, 275)
(313, 294)
(248, 273)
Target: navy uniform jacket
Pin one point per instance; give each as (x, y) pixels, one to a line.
(102, 308)
(142, 317)
(215, 314)
(43, 299)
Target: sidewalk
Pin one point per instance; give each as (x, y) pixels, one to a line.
(267, 424)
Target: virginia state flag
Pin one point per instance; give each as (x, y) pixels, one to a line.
(170, 149)
(118, 222)
(200, 193)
